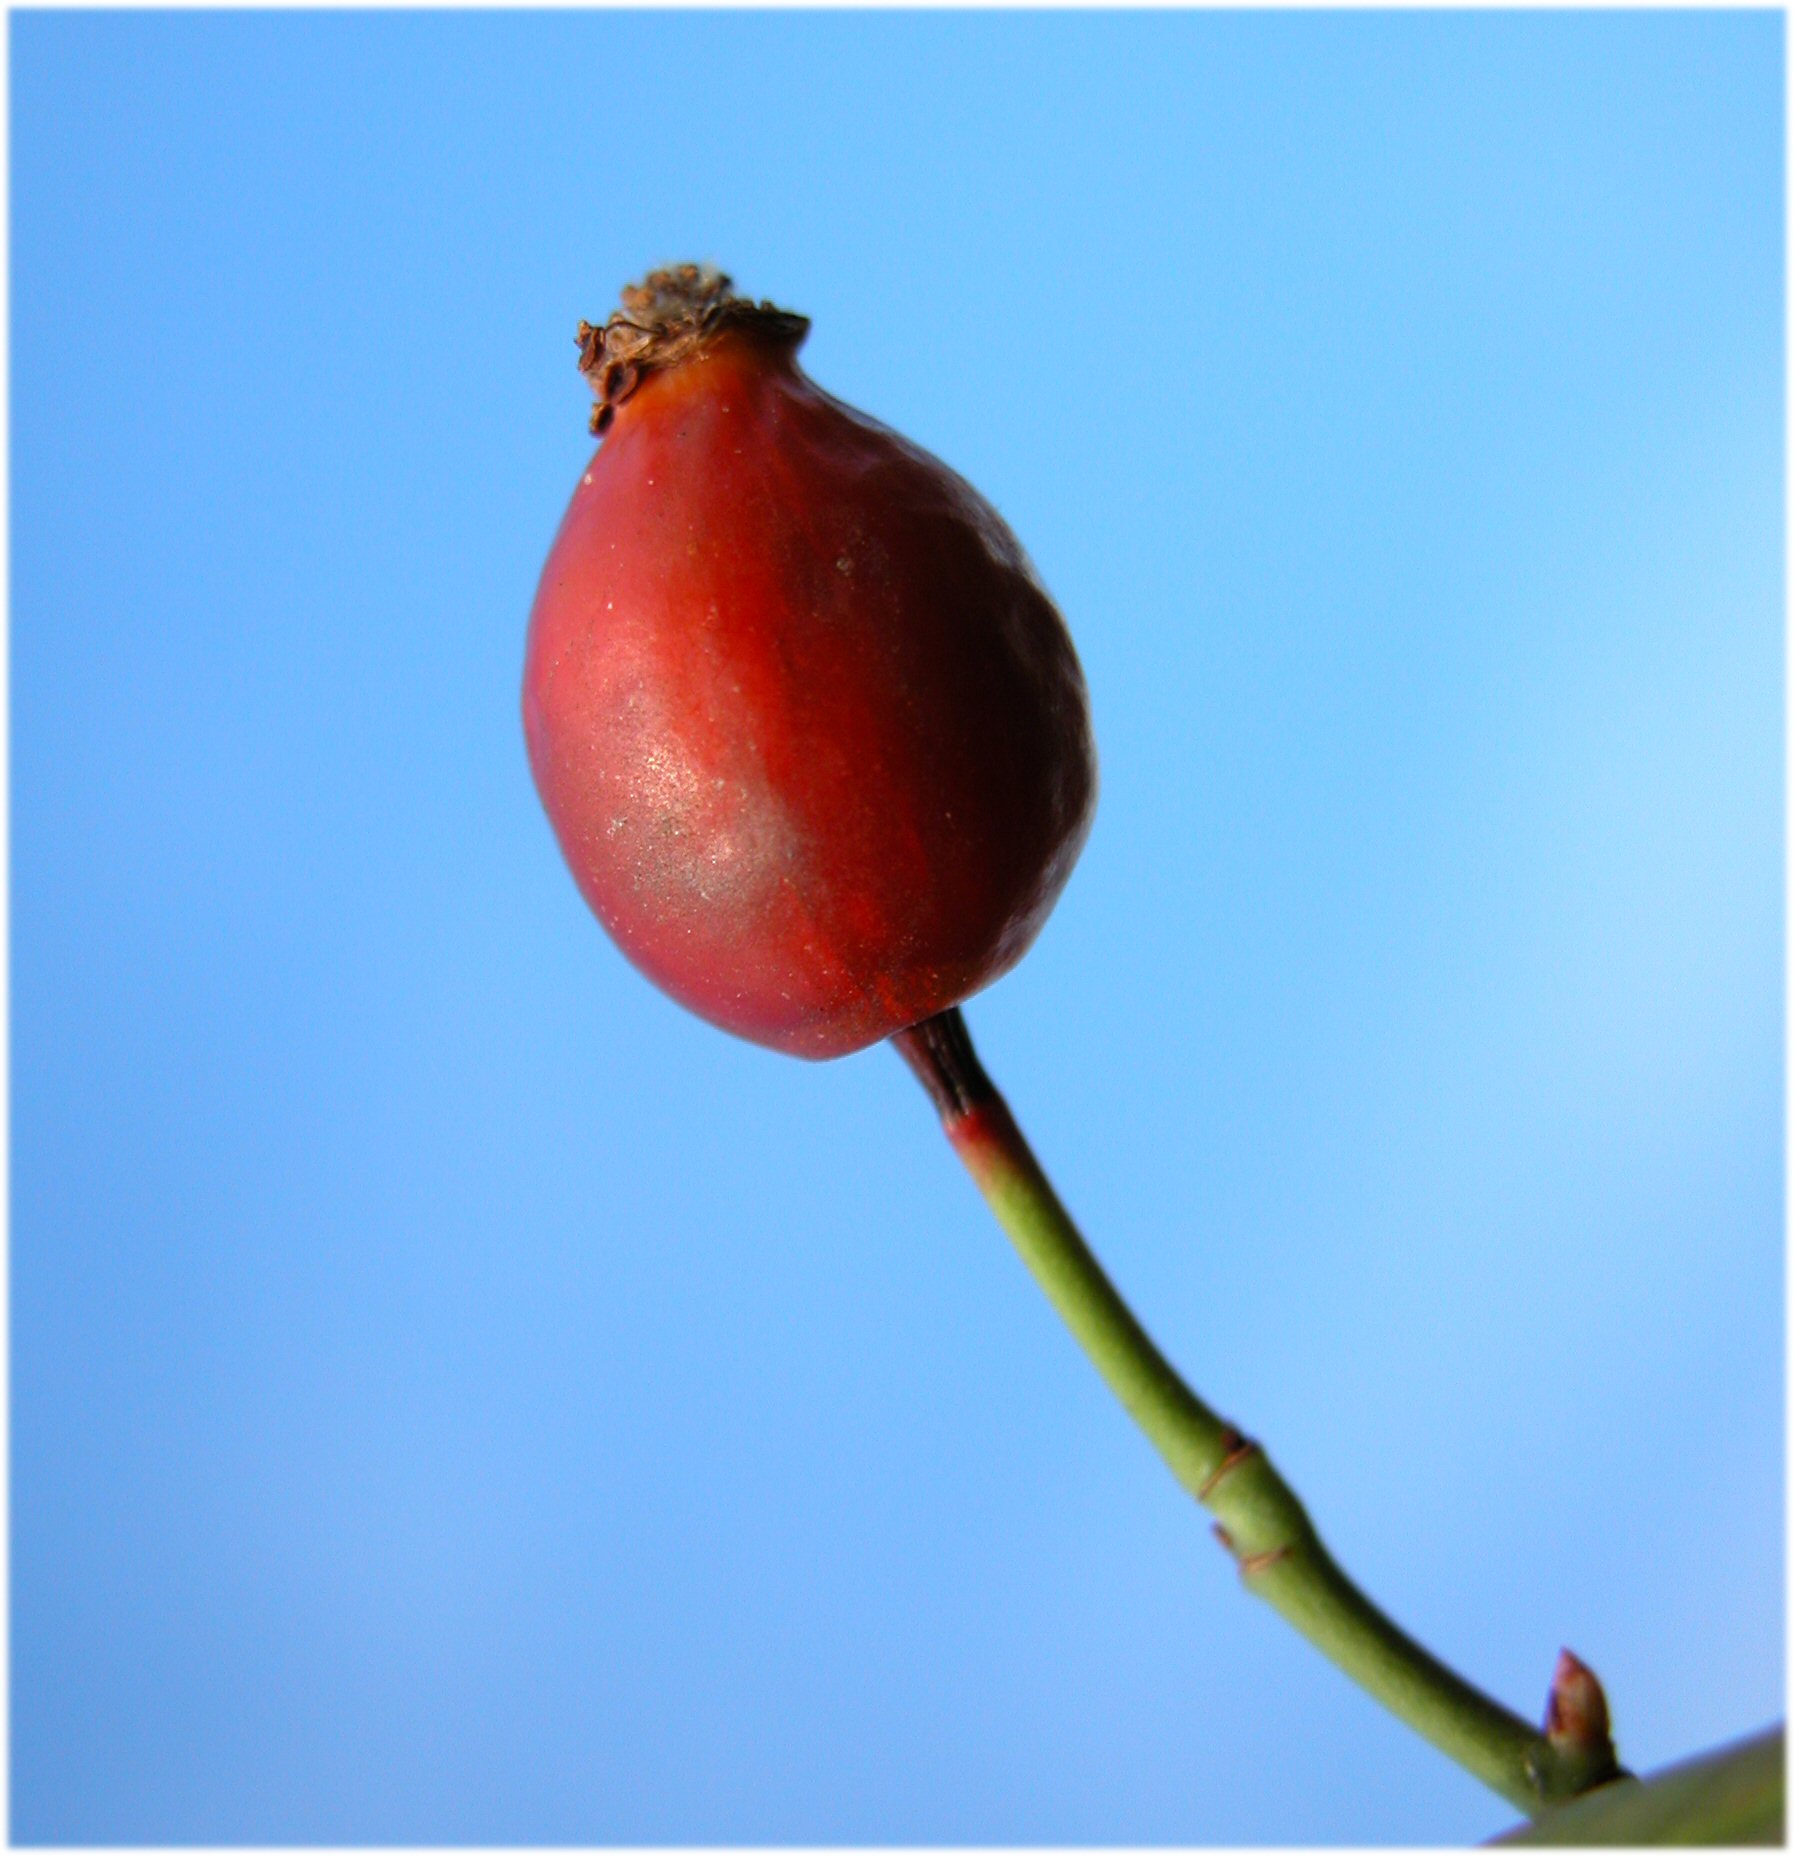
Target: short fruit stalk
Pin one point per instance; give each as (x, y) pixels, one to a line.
(1258, 1517)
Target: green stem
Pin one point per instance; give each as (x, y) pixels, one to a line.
(1258, 1518)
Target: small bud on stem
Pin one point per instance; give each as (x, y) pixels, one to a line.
(1576, 1723)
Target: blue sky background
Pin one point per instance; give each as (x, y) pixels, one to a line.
(458, 1397)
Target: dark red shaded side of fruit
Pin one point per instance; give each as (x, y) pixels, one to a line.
(813, 739)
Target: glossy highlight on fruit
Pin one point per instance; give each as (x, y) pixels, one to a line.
(813, 739)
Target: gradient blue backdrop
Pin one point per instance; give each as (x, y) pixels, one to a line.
(456, 1396)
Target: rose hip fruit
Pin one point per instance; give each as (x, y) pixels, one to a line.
(812, 736)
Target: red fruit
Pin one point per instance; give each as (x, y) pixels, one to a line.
(813, 738)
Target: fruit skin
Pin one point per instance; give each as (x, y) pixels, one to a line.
(813, 738)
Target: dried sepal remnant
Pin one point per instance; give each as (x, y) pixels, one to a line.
(661, 320)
